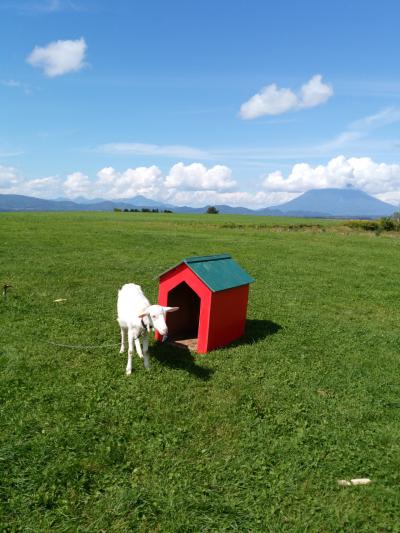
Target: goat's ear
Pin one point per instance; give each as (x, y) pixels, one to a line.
(143, 313)
(170, 309)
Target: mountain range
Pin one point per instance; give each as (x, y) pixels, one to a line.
(343, 203)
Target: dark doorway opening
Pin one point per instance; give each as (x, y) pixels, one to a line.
(183, 325)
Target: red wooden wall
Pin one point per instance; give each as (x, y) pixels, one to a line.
(228, 316)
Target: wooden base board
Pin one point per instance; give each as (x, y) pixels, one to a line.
(187, 344)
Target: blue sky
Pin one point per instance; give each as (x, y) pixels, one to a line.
(239, 102)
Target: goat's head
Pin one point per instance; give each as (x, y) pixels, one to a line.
(156, 314)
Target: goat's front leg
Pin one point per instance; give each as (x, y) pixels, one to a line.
(130, 351)
(146, 350)
(122, 349)
(138, 348)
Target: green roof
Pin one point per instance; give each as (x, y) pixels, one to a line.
(218, 272)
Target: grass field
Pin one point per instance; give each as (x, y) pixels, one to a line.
(252, 437)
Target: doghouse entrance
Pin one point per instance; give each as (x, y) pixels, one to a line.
(183, 325)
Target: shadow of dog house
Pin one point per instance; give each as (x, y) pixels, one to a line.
(212, 294)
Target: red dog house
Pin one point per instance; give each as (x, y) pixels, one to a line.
(211, 293)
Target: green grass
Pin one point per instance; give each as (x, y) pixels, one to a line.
(252, 437)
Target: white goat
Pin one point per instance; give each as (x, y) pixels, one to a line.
(138, 318)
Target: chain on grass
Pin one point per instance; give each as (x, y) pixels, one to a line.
(82, 346)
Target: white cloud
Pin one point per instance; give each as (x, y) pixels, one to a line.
(362, 127)
(360, 172)
(49, 187)
(255, 200)
(272, 100)
(46, 187)
(11, 182)
(314, 92)
(343, 139)
(59, 57)
(388, 115)
(392, 197)
(109, 183)
(196, 177)
(42, 6)
(269, 101)
(186, 152)
(11, 83)
(356, 138)
(9, 177)
(197, 185)
(149, 181)
(53, 6)
(131, 182)
(78, 184)
(15, 84)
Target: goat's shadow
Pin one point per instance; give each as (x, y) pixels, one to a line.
(182, 358)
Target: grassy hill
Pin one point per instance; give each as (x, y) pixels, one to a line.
(252, 437)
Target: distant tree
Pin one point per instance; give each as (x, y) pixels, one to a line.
(396, 217)
(154, 211)
(212, 210)
(145, 210)
(387, 223)
(167, 211)
(126, 210)
(117, 210)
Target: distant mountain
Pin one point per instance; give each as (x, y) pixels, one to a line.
(228, 210)
(135, 201)
(17, 202)
(83, 200)
(142, 201)
(187, 209)
(345, 203)
(337, 203)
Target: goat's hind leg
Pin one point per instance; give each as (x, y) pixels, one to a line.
(122, 349)
(130, 351)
